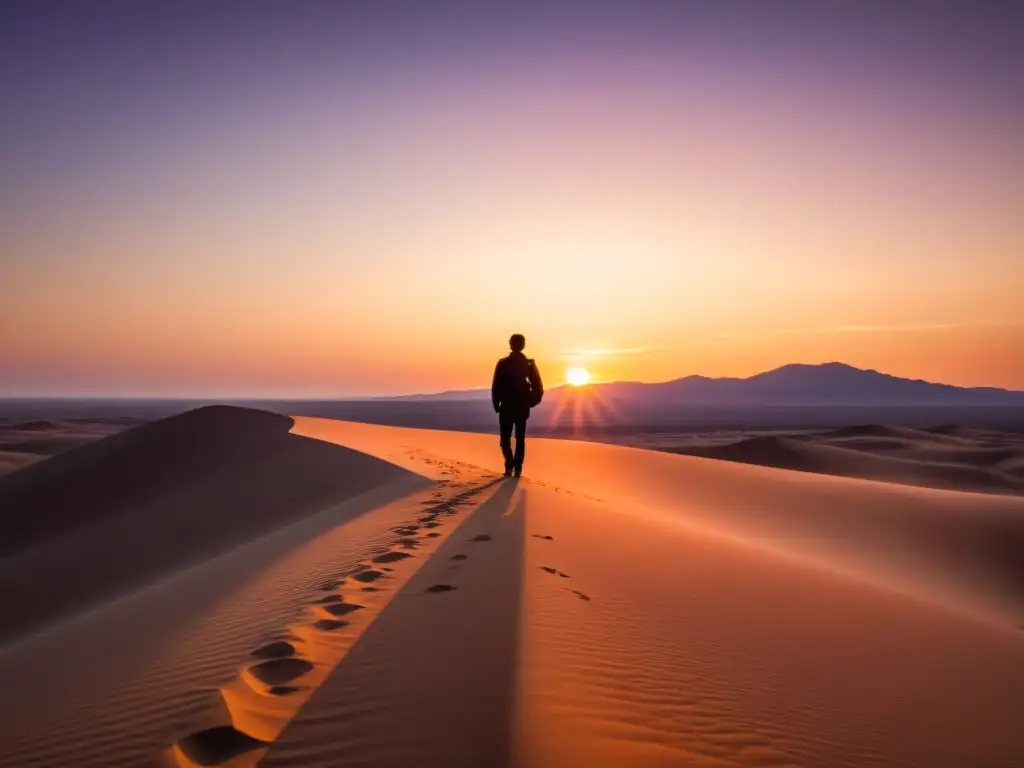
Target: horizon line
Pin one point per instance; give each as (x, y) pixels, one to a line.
(378, 397)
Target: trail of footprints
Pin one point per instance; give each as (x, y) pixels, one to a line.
(560, 574)
(278, 668)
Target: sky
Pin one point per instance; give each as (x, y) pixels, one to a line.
(328, 199)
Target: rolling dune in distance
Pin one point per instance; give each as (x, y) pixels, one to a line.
(402, 605)
(951, 456)
(23, 443)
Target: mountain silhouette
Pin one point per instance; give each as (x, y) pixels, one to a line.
(828, 384)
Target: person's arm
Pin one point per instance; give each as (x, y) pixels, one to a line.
(535, 383)
(496, 388)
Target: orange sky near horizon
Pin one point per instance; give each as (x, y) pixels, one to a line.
(645, 212)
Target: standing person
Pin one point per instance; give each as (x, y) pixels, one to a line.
(516, 389)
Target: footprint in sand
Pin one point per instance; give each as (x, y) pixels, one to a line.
(329, 625)
(333, 584)
(391, 557)
(218, 745)
(458, 557)
(342, 609)
(279, 649)
(280, 671)
(329, 599)
(546, 538)
(284, 690)
(366, 577)
(580, 595)
(554, 571)
(432, 535)
(407, 543)
(482, 537)
(432, 525)
(437, 588)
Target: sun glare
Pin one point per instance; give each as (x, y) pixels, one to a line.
(577, 376)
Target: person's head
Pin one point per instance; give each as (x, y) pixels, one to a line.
(517, 342)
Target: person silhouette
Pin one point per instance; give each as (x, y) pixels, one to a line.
(515, 390)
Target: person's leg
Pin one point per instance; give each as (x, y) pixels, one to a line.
(505, 425)
(520, 455)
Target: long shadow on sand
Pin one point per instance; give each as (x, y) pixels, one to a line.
(434, 678)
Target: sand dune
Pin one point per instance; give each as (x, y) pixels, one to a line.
(11, 461)
(615, 607)
(100, 480)
(951, 457)
(928, 469)
(23, 443)
(1013, 465)
(971, 433)
(156, 498)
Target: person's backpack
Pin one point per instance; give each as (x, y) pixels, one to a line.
(537, 390)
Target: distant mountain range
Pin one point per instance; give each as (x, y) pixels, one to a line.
(828, 384)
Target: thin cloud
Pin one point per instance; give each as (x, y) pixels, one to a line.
(908, 328)
(610, 352)
(901, 327)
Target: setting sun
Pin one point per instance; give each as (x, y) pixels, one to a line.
(577, 376)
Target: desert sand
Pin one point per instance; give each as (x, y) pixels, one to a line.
(23, 443)
(236, 588)
(951, 456)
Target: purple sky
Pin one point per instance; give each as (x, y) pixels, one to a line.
(246, 197)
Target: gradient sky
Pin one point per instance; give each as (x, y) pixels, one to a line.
(329, 199)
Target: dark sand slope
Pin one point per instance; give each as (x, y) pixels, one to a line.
(110, 517)
(950, 457)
